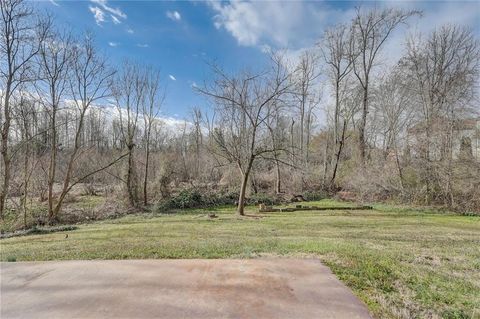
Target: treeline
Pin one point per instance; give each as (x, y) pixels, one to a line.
(335, 119)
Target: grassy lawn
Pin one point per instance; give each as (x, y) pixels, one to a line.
(403, 263)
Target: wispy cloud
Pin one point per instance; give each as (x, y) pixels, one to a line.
(98, 15)
(115, 19)
(276, 23)
(130, 30)
(142, 45)
(106, 7)
(172, 77)
(113, 44)
(174, 15)
(100, 9)
(54, 3)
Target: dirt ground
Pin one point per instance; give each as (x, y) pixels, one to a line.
(188, 288)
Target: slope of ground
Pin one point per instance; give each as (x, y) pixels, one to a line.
(402, 262)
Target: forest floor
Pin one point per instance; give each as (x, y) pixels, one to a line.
(402, 262)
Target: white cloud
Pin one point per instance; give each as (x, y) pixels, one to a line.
(172, 77)
(130, 31)
(171, 124)
(113, 44)
(174, 15)
(115, 19)
(115, 11)
(142, 45)
(280, 23)
(54, 3)
(101, 7)
(296, 25)
(98, 14)
(265, 48)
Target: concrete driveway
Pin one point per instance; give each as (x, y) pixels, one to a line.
(227, 288)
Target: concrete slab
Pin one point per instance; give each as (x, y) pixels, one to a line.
(250, 288)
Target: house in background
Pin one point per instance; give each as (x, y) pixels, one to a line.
(466, 139)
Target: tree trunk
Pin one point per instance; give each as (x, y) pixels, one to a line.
(243, 189)
(278, 184)
(25, 184)
(338, 154)
(253, 183)
(145, 179)
(4, 150)
(132, 198)
(363, 124)
(292, 142)
(52, 168)
(302, 124)
(325, 162)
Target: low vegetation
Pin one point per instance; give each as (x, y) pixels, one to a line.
(402, 262)
(83, 142)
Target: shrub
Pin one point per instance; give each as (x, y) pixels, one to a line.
(221, 199)
(315, 195)
(188, 198)
(193, 198)
(261, 198)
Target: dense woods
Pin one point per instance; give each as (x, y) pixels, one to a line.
(340, 119)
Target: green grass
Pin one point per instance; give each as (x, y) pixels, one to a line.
(404, 263)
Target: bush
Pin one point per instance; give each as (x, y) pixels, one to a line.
(193, 198)
(314, 196)
(222, 199)
(189, 198)
(261, 198)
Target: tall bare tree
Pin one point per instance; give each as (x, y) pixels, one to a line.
(444, 70)
(54, 60)
(197, 119)
(336, 49)
(151, 109)
(306, 93)
(371, 30)
(88, 83)
(21, 34)
(129, 91)
(394, 106)
(277, 128)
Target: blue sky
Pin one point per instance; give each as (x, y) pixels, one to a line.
(179, 36)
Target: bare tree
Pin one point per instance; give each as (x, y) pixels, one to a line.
(128, 89)
(54, 60)
(88, 82)
(26, 112)
(371, 30)
(21, 34)
(444, 71)
(277, 128)
(242, 107)
(305, 92)
(197, 119)
(394, 106)
(336, 51)
(151, 109)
